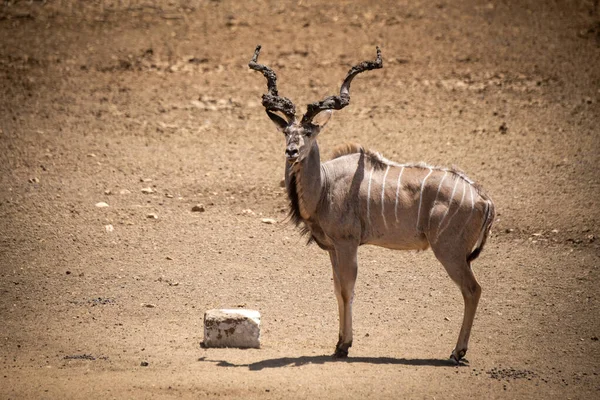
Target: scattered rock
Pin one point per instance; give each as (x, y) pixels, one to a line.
(144, 363)
(109, 228)
(197, 60)
(101, 301)
(148, 305)
(446, 319)
(232, 328)
(80, 357)
(147, 190)
(152, 216)
(34, 180)
(591, 238)
(510, 373)
(198, 208)
(248, 211)
(145, 180)
(168, 258)
(169, 196)
(124, 191)
(101, 204)
(108, 192)
(269, 221)
(503, 128)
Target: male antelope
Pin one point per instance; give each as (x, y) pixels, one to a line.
(359, 197)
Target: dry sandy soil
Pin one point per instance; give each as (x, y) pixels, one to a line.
(99, 100)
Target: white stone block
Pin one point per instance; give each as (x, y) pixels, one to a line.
(232, 328)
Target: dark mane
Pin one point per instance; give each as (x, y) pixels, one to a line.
(374, 158)
(378, 162)
(294, 213)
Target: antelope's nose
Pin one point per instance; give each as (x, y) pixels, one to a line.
(291, 153)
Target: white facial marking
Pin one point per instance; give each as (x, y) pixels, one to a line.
(397, 193)
(383, 197)
(421, 197)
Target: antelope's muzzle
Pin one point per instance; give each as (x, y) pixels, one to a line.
(291, 153)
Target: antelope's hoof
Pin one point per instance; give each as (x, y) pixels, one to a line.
(340, 353)
(457, 356)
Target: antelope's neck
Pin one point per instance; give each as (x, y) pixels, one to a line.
(309, 179)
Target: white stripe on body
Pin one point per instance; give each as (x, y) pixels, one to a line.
(436, 198)
(369, 196)
(421, 197)
(383, 197)
(472, 209)
(397, 193)
(457, 208)
(449, 205)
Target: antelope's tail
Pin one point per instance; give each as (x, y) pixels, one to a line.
(490, 215)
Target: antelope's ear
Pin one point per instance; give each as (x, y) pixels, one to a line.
(322, 118)
(280, 123)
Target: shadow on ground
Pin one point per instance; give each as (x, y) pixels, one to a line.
(304, 360)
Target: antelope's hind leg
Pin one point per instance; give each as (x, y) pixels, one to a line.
(459, 270)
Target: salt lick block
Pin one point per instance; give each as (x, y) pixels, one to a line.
(232, 328)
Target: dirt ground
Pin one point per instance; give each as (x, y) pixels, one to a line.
(149, 106)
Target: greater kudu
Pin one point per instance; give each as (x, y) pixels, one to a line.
(359, 198)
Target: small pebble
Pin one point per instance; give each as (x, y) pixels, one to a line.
(503, 128)
(101, 204)
(198, 208)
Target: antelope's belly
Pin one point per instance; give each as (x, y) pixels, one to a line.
(398, 240)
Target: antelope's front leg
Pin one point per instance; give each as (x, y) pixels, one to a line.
(345, 268)
(338, 295)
